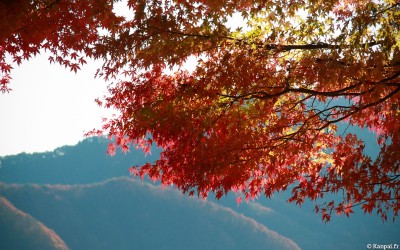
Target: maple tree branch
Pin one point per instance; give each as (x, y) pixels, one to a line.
(336, 93)
(386, 181)
(277, 47)
(265, 95)
(384, 10)
(397, 74)
(311, 46)
(358, 109)
(300, 101)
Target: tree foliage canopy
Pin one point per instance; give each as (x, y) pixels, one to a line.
(259, 111)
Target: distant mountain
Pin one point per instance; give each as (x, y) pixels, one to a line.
(125, 214)
(88, 163)
(20, 231)
(305, 227)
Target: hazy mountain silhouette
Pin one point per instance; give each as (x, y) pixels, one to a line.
(20, 231)
(122, 214)
(88, 163)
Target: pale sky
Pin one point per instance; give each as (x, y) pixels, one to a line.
(49, 106)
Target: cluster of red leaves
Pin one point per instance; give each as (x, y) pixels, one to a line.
(255, 144)
(69, 30)
(259, 113)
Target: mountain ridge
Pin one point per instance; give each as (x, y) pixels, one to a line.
(87, 163)
(22, 231)
(141, 203)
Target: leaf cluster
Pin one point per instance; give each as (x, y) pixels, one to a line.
(259, 112)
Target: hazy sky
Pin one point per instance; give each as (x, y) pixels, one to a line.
(48, 107)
